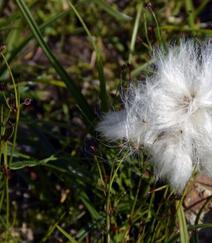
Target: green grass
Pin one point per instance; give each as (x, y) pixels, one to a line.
(63, 65)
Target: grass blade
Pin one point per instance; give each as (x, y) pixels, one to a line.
(17, 106)
(52, 228)
(158, 29)
(135, 31)
(93, 212)
(68, 236)
(30, 163)
(113, 12)
(79, 98)
(184, 236)
(190, 11)
(199, 9)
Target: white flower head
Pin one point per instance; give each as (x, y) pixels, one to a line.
(171, 113)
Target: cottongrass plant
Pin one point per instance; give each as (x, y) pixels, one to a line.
(170, 114)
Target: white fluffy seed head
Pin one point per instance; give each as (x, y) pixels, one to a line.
(171, 114)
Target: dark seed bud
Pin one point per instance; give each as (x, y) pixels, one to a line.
(148, 5)
(27, 101)
(2, 48)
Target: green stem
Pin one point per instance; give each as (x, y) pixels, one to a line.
(108, 207)
(184, 236)
(17, 107)
(135, 32)
(7, 191)
(190, 11)
(108, 210)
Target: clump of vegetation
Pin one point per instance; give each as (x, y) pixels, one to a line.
(64, 63)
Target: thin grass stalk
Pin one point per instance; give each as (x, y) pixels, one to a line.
(7, 191)
(102, 89)
(158, 30)
(108, 211)
(171, 28)
(190, 11)
(52, 228)
(66, 234)
(184, 236)
(146, 33)
(199, 9)
(135, 31)
(17, 108)
(113, 12)
(133, 207)
(113, 175)
(1, 152)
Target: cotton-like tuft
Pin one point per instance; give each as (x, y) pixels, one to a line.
(170, 114)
